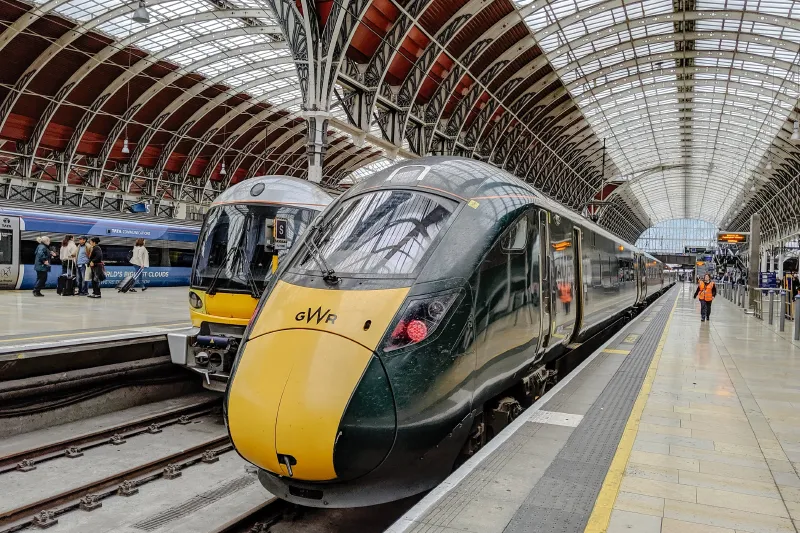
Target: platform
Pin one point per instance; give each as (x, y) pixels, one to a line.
(28, 323)
(674, 426)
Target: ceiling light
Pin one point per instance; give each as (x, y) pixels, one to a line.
(141, 15)
(222, 170)
(753, 187)
(769, 165)
(796, 132)
(125, 149)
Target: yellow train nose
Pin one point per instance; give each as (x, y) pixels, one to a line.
(288, 397)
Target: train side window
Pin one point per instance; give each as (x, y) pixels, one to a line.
(6, 247)
(517, 237)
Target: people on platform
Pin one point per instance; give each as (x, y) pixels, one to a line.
(83, 262)
(41, 263)
(96, 267)
(141, 259)
(68, 255)
(706, 291)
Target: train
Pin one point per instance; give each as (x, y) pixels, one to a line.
(246, 234)
(420, 313)
(170, 244)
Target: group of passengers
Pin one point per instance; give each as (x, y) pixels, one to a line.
(83, 262)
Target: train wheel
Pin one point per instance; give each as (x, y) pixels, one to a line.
(477, 438)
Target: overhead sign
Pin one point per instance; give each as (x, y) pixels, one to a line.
(732, 238)
(694, 250)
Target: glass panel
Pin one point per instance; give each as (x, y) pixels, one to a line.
(672, 236)
(6, 247)
(381, 233)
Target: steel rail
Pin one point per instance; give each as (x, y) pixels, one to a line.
(74, 446)
(43, 512)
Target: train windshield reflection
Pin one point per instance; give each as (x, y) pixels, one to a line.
(236, 245)
(380, 233)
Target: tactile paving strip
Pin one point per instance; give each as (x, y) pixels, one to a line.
(564, 496)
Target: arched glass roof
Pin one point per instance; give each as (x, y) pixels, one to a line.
(688, 95)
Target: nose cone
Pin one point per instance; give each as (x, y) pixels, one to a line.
(289, 397)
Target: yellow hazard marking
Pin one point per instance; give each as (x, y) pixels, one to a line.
(614, 350)
(473, 204)
(601, 514)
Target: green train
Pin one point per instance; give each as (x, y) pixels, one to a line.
(417, 316)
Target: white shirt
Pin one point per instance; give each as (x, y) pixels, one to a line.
(68, 252)
(140, 257)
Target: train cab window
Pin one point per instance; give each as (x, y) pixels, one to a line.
(517, 236)
(379, 233)
(6, 247)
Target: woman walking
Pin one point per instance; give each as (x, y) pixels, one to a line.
(41, 264)
(707, 290)
(96, 266)
(141, 259)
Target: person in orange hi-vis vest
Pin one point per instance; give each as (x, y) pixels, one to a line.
(565, 295)
(706, 290)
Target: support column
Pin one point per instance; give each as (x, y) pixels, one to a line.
(316, 143)
(755, 249)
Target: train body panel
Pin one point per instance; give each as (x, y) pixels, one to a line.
(248, 231)
(170, 245)
(492, 282)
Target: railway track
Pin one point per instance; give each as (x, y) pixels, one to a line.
(88, 495)
(72, 447)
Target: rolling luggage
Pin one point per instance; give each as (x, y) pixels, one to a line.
(66, 285)
(127, 282)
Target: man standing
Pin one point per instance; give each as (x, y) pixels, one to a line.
(83, 261)
(706, 290)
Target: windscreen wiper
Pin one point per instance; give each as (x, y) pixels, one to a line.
(251, 279)
(212, 287)
(328, 275)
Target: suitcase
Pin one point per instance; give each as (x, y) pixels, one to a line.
(126, 284)
(67, 284)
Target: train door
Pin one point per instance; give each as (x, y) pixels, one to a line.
(546, 287)
(9, 252)
(641, 289)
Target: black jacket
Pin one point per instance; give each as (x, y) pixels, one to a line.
(97, 256)
(713, 290)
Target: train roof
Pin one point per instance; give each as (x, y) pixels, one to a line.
(276, 190)
(470, 179)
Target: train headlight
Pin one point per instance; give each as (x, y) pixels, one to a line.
(419, 320)
(195, 301)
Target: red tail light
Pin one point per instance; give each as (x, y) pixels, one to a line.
(419, 320)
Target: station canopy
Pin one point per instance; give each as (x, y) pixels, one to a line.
(630, 112)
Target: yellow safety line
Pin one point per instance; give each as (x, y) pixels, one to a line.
(601, 514)
(79, 333)
(614, 350)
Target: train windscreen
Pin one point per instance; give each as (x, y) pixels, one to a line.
(237, 245)
(383, 233)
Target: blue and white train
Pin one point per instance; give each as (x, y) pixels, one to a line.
(170, 245)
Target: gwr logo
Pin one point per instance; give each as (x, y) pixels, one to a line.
(317, 315)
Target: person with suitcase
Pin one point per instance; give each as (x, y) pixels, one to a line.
(68, 254)
(141, 259)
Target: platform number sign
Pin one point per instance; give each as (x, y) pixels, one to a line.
(281, 228)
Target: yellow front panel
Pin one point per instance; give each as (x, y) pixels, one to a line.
(230, 305)
(337, 311)
(304, 377)
(254, 398)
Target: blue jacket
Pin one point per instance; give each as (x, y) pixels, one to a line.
(42, 255)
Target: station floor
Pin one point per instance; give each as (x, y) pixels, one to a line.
(27, 322)
(675, 426)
